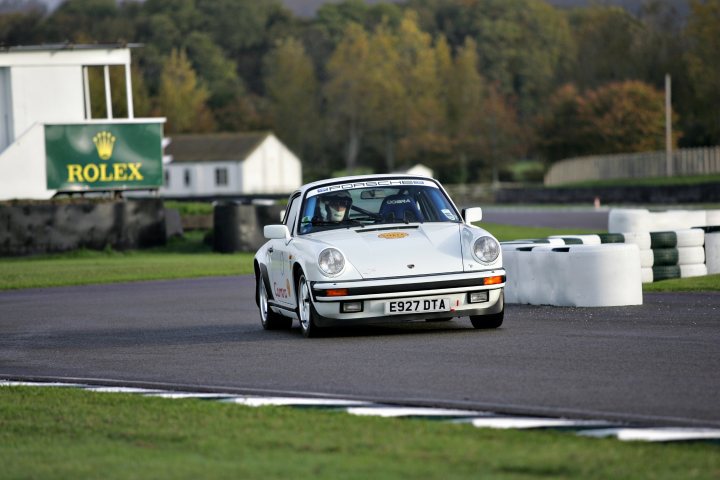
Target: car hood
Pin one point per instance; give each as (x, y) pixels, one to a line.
(423, 249)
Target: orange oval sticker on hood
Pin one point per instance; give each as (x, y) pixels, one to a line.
(393, 235)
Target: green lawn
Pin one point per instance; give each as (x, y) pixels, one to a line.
(512, 232)
(181, 258)
(66, 433)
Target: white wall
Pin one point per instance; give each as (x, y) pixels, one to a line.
(202, 179)
(271, 168)
(22, 178)
(36, 98)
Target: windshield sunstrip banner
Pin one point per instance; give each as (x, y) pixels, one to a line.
(372, 184)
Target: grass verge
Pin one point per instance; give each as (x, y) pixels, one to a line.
(182, 258)
(67, 433)
(511, 232)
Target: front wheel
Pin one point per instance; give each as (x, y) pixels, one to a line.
(487, 321)
(306, 311)
(270, 320)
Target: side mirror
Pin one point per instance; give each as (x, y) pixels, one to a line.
(472, 215)
(276, 232)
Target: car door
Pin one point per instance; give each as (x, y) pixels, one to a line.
(280, 268)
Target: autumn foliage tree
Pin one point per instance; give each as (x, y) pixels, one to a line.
(614, 118)
(182, 99)
(292, 90)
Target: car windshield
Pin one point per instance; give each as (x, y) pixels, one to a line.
(377, 202)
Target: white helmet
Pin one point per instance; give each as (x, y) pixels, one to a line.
(337, 204)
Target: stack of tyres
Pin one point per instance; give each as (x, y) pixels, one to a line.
(678, 254)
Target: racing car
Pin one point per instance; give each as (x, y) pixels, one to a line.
(377, 249)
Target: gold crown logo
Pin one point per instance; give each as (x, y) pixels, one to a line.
(104, 142)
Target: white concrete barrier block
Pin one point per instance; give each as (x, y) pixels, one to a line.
(712, 252)
(517, 272)
(690, 237)
(628, 220)
(603, 275)
(538, 282)
(712, 218)
(696, 270)
(691, 255)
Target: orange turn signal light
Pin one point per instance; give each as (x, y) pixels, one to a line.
(336, 292)
(493, 280)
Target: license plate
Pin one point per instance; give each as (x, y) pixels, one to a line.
(414, 305)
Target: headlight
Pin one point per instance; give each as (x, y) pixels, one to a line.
(486, 249)
(331, 261)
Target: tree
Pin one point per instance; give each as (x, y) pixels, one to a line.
(624, 117)
(224, 85)
(292, 90)
(464, 106)
(560, 129)
(88, 21)
(347, 88)
(386, 94)
(704, 69)
(181, 98)
(607, 39)
(424, 112)
(618, 117)
(523, 45)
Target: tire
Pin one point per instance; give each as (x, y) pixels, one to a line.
(665, 256)
(305, 309)
(572, 240)
(493, 320)
(269, 319)
(611, 238)
(485, 322)
(663, 240)
(665, 272)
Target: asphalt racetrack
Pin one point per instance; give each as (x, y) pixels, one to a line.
(655, 364)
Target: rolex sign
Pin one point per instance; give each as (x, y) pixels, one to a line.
(110, 156)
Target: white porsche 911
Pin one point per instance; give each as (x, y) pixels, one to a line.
(377, 249)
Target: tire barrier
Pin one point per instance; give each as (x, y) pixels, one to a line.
(679, 248)
(683, 248)
(643, 220)
(579, 239)
(691, 235)
(573, 275)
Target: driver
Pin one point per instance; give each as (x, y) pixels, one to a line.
(337, 206)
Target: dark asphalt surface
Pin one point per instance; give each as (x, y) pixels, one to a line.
(656, 364)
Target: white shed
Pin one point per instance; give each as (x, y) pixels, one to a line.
(418, 169)
(229, 164)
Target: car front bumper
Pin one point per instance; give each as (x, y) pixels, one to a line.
(374, 294)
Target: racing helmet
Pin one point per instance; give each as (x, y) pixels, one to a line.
(337, 205)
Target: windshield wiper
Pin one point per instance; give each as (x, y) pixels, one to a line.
(324, 223)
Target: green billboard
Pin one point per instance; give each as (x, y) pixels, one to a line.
(104, 156)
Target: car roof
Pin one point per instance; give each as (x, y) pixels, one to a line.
(360, 178)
